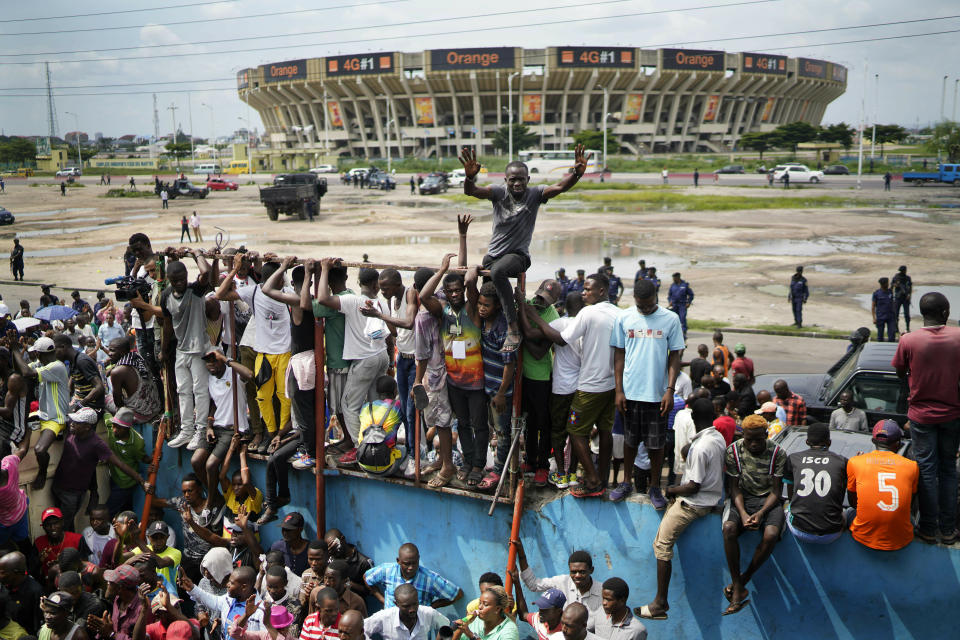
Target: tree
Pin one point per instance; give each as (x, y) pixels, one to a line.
(522, 138)
(890, 133)
(945, 139)
(178, 150)
(591, 139)
(758, 141)
(841, 133)
(793, 133)
(18, 151)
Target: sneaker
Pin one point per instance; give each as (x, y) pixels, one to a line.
(557, 480)
(656, 497)
(347, 459)
(620, 492)
(540, 478)
(300, 452)
(182, 438)
(572, 480)
(304, 461)
(196, 440)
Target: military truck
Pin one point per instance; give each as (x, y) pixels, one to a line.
(293, 193)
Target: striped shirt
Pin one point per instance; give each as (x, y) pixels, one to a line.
(494, 360)
(313, 629)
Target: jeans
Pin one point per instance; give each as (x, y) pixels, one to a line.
(305, 412)
(193, 390)
(890, 324)
(278, 470)
(536, 404)
(120, 499)
(361, 387)
(185, 230)
(248, 358)
(406, 374)
(504, 435)
(502, 269)
(903, 303)
(798, 312)
(935, 447)
(69, 503)
(470, 408)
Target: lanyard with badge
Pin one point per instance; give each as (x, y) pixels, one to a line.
(458, 346)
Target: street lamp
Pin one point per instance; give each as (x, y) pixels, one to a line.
(606, 106)
(876, 111)
(249, 155)
(943, 98)
(213, 130)
(956, 83)
(510, 115)
(76, 119)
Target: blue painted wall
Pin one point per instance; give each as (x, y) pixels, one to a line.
(838, 591)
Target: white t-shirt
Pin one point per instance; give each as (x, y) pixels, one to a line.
(684, 386)
(363, 337)
(683, 432)
(594, 325)
(566, 361)
(273, 320)
(406, 340)
(135, 318)
(97, 542)
(705, 460)
(222, 396)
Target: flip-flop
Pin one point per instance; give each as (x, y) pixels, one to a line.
(474, 478)
(736, 607)
(585, 492)
(644, 612)
(512, 343)
(438, 481)
(728, 592)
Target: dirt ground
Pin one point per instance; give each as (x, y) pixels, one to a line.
(738, 262)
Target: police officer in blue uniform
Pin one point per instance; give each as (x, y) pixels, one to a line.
(882, 309)
(652, 277)
(564, 284)
(902, 286)
(798, 295)
(577, 285)
(616, 284)
(680, 297)
(642, 271)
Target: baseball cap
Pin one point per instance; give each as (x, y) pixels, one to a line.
(551, 599)
(179, 630)
(124, 575)
(157, 603)
(59, 599)
(739, 348)
(550, 291)
(768, 407)
(124, 417)
(51, 512)
(887, 430)
(42, 345)
(158, 527)
(83, 414)
(292, 521)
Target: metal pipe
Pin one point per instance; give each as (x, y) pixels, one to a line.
(375, 265)
(416, 444)
(514, 536)
(157, 453)
(320, 415)
(496, 494)
(233, 355)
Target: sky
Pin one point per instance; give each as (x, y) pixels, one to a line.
(82, 66)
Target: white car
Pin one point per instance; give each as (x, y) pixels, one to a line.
(798, 173)
(324, 168)
(358, 171)
(456, 178)
(66, 172)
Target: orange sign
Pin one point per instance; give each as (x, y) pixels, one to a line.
(710, 114)
(532, 108)
(424, 110)
(767, 110)
(633, 107)
(333, 108)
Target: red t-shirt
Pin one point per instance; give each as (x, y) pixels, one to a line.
(48, 553)
(156, 630)
(743, 365)
(727, 426)
(932, 356)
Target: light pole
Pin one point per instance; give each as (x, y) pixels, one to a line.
(249, 156)
(193, 158)
(956, 83)
(213, 130)
(876, 109)
(943, 98)
(76, 119)
(863, 100)
(510, 115)
(606, 105)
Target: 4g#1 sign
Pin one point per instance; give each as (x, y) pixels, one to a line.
(764, 63)
(606, 57)
(365, 64)
(692, 60)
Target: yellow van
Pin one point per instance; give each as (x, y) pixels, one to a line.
(237, 167)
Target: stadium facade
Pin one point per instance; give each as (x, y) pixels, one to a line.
(434, 102)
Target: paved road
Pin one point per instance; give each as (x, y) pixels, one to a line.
(776, 354)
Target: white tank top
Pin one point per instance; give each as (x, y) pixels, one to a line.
(406, 340)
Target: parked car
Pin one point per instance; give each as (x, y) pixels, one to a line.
(67, 172)
(456, 178)
(324, 168)
(865, 371)
(183, 187)
(836, 170)
(358, 171)
(798, 173)
(433, 184)
(731, 168)
(219, 184)
(6, 217)
(377, 179)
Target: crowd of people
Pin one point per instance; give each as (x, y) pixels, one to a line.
(604, 392)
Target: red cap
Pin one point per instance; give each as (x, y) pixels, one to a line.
(51, 512)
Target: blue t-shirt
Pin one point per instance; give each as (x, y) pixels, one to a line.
(647, 342)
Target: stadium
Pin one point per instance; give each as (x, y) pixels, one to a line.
(431, 103)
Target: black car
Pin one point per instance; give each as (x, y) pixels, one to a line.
(836, 170)
(731, 168)
(865, 371)
(433, 184)
(6, 217)
(377, 179)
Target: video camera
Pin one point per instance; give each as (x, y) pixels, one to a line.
(128, 287)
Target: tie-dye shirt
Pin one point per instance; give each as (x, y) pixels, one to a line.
(456, 326)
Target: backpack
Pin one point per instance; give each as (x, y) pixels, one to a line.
(373, 450)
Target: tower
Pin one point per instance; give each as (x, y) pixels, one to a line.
(51, 109)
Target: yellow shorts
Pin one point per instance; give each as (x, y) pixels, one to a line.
(52, 425)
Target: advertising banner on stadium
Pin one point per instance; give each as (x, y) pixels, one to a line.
(710, 113)
(243, 79)
(608, 57)
(633, 107)
(838, 72)
(763, 63)
(811, 68)
(365, 64)
(424, 108)
(484, 58)
(692, 60)
(333, 109)
(289, 70)
(532, 108)
(768, 110)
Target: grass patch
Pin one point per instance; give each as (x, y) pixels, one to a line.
(789, 328)
(124, 193)
(705, 325)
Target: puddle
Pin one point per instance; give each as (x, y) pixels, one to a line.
(952, 291)
(410, 204)
(142, 216)
(67, 230)
(823, 268)
(875, 244)
(38, 214)
(223, 215)
(779, 290)
(906, 213)
(91, 219)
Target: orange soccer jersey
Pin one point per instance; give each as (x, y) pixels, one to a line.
(884, 483)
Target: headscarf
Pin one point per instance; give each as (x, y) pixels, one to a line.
(218, 562)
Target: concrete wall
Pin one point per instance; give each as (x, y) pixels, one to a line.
(839, 591)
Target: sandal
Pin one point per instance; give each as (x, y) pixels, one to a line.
(586, 492)
(474, 478)
(512, 343)
(736, 606)
(439, 481)
(646, 612)
(490, 481)
(269, 515)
